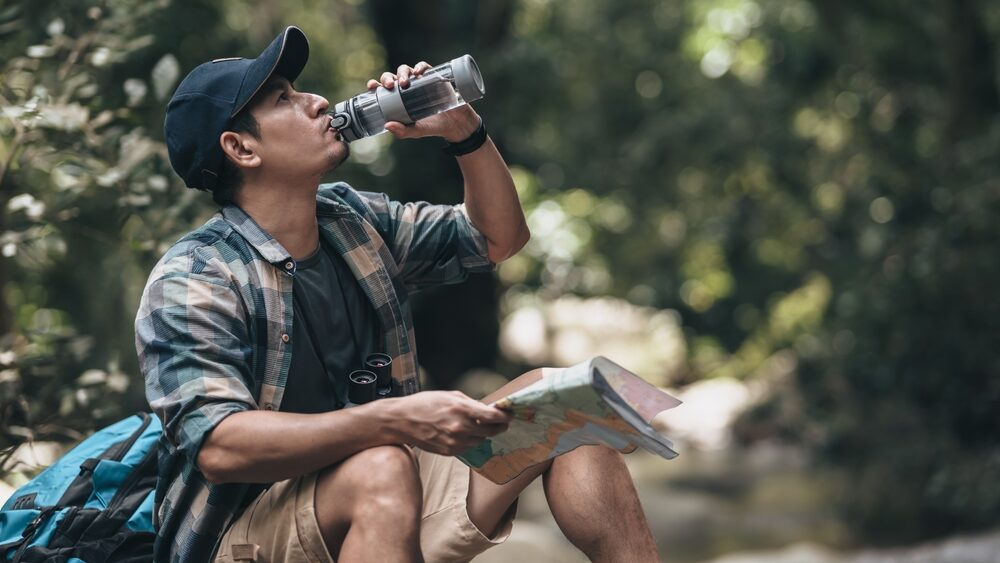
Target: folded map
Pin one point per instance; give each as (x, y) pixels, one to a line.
(594, 402)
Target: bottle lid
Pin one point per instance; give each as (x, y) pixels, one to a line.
(468, 79)
(343, 119)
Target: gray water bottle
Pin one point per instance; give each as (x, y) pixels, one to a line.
(438, 89)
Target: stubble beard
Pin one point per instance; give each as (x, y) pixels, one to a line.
(340, 157)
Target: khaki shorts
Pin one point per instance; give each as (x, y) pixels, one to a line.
(281, 525)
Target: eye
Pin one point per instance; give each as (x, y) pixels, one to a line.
(283, 96)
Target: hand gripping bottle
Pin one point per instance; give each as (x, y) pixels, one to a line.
(438, 89)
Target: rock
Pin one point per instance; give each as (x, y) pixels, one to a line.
(797, 553)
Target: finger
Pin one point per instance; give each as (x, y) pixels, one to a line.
(420, 68)
(492, 415)
(373, 84)
(480, 430)
(476, 429)
(387, 79)
(403, 72)
(398, 130)
(488, 430)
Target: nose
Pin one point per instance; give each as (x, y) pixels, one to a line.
(319, 104)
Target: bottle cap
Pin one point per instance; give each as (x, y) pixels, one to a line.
(468, 79)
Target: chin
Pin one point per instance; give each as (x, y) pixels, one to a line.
(339, 156)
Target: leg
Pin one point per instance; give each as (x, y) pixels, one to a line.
(367, 515)
(487, 501)
(590, 493)
(593, 499)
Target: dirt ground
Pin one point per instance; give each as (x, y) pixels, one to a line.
(758, 506)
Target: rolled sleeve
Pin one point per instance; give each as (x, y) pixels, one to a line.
(432, 244)
(194, 351)
(473, 250)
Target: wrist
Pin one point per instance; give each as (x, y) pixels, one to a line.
(387, 419)
(463, 132)
(468, 144)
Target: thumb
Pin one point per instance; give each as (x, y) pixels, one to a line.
(399, 130)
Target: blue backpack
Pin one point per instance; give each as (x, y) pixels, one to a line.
(93, 505)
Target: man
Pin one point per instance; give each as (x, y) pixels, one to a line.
(249, 325)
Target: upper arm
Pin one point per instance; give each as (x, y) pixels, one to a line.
(432, 244)
(194, 349)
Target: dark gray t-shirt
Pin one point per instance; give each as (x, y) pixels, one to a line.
(334, 328)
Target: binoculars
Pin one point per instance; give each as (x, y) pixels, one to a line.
(373, 382)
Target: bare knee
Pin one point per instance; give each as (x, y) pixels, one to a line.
(605, 452)
(363, 493)
(372, 481)
(388, 475)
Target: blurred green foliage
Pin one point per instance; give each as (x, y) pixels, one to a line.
(813, 186)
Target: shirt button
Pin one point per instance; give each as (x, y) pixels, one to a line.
(285, 338)
(289, 265)
(268, 406)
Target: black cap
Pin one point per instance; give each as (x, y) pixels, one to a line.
(212, 94)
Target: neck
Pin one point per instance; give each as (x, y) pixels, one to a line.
(286, 211)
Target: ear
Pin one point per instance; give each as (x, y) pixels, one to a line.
(240, 149)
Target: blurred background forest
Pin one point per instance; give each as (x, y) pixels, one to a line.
(785, 211)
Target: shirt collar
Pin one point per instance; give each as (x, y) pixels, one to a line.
(261, 240)
(330, 205)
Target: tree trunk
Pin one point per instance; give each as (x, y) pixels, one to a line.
(972, 90)
(457, 326)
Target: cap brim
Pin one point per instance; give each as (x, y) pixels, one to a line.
(285, 56)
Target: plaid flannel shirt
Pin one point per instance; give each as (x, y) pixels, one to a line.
(214, 330)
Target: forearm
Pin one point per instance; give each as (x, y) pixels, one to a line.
(265, 446)
(490, 197)
(492, 202)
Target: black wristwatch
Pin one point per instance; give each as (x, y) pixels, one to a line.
(471, 143)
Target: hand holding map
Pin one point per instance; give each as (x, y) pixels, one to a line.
(594, 402)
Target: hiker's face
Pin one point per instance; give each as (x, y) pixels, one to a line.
(295, 132)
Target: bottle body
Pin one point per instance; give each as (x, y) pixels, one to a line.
(369, 119)
(430, 93)
(438, 89)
